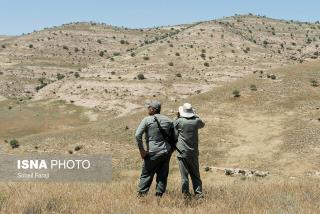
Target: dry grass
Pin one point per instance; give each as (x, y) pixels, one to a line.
(239, 196)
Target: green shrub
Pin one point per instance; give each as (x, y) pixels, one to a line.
(170, 63)
(14, 143)
(206, 64)
(60, 76)
(65, 47)
(273, 77)
(76, 74)
(146, 58)
(31, 46)
(43, 84)
(78, 147)
(178, 75)
(236, 93)
(140, 77)
(101, 53)
(314, 83)
(253, 87)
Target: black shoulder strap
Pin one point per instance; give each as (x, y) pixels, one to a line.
(166, 136)
(163, 132)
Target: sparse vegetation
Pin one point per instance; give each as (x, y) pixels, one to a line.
(170, 63)
(236, 93)
(78, 147)
(253, 87)
(60, 76)
(273, 77)
(146, 58)
(14, 144)
(206, 64)
(314, 83)
(42, 84)
(140, 76)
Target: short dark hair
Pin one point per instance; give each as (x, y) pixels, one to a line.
(157, 111)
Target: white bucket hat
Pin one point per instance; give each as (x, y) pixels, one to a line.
(186, 110)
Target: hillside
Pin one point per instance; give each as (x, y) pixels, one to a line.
(96, 66)
(273, 128)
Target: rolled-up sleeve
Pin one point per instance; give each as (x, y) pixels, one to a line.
(201, 124)
(139, 133)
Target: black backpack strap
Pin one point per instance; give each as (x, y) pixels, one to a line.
(163, 132)
(166, 136)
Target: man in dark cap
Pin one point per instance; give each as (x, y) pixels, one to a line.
(156, 155)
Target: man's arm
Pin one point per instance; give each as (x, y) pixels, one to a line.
(176, 129)
(139, 133)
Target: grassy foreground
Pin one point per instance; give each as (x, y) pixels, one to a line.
(239, 196)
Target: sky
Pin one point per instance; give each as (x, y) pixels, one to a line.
(24, 16)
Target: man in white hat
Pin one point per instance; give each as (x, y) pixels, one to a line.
(157, 155)
(186, 131)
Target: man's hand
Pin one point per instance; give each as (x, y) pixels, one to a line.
(177, 114)
(143, 153)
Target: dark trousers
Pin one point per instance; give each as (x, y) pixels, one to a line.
(159, 165)
(190, 166)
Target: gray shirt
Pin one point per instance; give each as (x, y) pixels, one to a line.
(153, 137)
(186, 132)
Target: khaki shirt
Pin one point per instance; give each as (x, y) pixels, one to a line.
(153, 137)
(186, 132)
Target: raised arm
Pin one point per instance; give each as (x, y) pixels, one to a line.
(201, 124)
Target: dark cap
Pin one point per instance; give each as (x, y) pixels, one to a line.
(154, 104)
